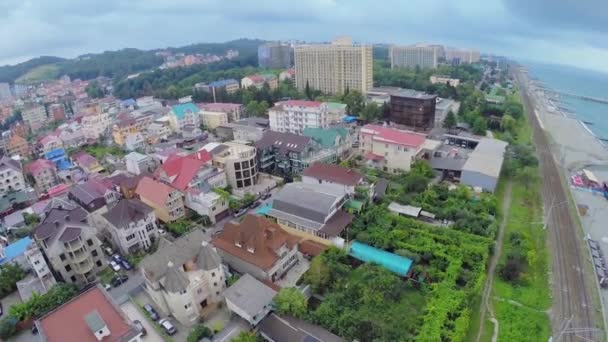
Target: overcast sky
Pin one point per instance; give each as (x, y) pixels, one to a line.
(570, 32)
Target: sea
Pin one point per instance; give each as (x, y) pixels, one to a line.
(580, 82)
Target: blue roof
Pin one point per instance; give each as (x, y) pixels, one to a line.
(264, 209)
(58, 152)
(128, 102)
(181, 109)
(223, 83)
(349, 119)
(16, 249)
(390, 261)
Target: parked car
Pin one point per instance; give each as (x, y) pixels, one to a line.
(161, 231)
(240, 212)
(140, 327)
(169, 328)
(266, 196)
(115, 266)
(108, 251)
(107, 287)
(117, 258)
(118, 280)
(255, 204)
(126, 265)
(151, 312)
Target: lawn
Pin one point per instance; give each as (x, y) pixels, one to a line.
(100, 151)
(40, 73)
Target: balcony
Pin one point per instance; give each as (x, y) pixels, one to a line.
(74, 245)
(83, 267)
(79, 256)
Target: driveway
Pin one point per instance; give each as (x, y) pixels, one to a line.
(135, 284)
(142, 298)
(131, 311)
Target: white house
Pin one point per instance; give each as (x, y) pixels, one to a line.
(132, 225)
(250, 299)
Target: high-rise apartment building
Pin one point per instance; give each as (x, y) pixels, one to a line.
(294, 116)
(422, 56)
(5, 91)
(275, 56)
(334, 68)
(34, 116)
(461, 56)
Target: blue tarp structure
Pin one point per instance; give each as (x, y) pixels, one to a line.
(264, 209)
(390, 261)
(349, 119)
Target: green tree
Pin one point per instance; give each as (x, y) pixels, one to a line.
(30, 219)
(354, 102)
(480, 126)
(94, 90)
(199, 332)
(307, 91)
(290, 301)
(370, 113)
(8, 327)
(508, 123)
(450, 120)
(10, 274)
(256, 108)
(246, 336)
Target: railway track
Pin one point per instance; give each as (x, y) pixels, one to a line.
(573, 316)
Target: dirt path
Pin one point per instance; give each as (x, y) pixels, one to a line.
(486, 303)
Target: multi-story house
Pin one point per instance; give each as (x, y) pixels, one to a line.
(288, 75)
(11, 176)
(185, 277)
(233, 110)
(132, 225)
(230, 86)
(94, 194)
(195, 177)
(184, 114)
(168, 202)
(135, 141)
(138, 163)
(212, 120)
(333, 176)
(334, 68)
(48, 143)
(70, 243)
(72, 135)
(57, 111)
(390, 149)
(87, 162)
(287, 154)
(34, 116)
(249, 129)
(159, 129)
(312, 211)
(257, 246)
(17, 146)
(43, 173)
(258, 81)
(95, 124)
(238, 160)
(131, 125)
(294, 116)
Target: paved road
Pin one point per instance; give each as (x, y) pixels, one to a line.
(572, 300)
(133, 285)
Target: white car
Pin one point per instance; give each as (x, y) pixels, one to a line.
(115, 266)
(169, 328)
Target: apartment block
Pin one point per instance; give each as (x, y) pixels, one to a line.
(275, 55)
(239, 162)
(421, 56)
(334, 68)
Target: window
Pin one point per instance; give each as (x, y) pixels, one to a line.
(149, 227)
(90, 242)
(386, 145)
(130, 237)
(73, 278)
(239, 184)
(245, 164)
(217, 293)
(94, 253)
(188, 306)
(213, 274)
(237, 166)
(98, 263)
(214, 284)
(68, 268)
(238, 174)
(246, 173)
(248, 182)
(36, 262)
(199, 291)
(62, 257)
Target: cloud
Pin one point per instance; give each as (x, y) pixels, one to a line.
(517, 28)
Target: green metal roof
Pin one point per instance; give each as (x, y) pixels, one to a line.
(181, 109)
(335, 105)
(390, 261)
(355, 205)
(326, 137)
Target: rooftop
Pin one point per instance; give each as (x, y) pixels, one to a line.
(312, 202)
(92, 308)
(250, 295)
(333, 173)
(154, 190)
(390, 261)
(221, 107)
(288, 328)
(223, 83)
(393, 135)
(180, 110)
(327, 137)
(15, 249)
(126, 212)
(284, 142)
(487, 158)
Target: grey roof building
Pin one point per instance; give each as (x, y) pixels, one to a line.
(132, 225)
(279, 328)
(184, 277)
(250, 299)
(483, 167)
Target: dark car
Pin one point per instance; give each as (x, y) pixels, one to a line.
(140, 327)
(117, 258)
(266, 196)
(151, 312)
(118, 280)
(255, 204)
(126, 265)
(1, 310)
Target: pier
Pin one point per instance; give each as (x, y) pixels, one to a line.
(576, 96)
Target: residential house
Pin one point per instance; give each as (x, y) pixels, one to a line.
(127, 183)
(95, 124)
(72, 135)
(43, 173)
(334, 176)
(57, 111)
(390, 149)
(238, 160)
(232, 110)
(230, 86)
(250, 299)
(191, 133)
(287, 154)
(59, 158)
(168, 203)
(158, 130)
(132, 225)
(48, 143)
(312, 211)
(134, 141)
(87, 162)
(94, 194)
(212, 120)
(194, 176)
(184, 114)
(91, 316)
(337, 139)
(130, 125)
(185, 277)
(11, 176)
(278, 328)
(70, 243)
(258, 247)
(259, 80)
(138, 163)
(249, 129)
(293, 116)
(288, 75)
(17, 146)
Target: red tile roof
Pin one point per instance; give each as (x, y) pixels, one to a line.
(256, 232)
(154, 191)
(185, 168)
(393, 135)
(83, 159)
(67, 322)
(38, 166)
(372, 156)
(333, 173)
